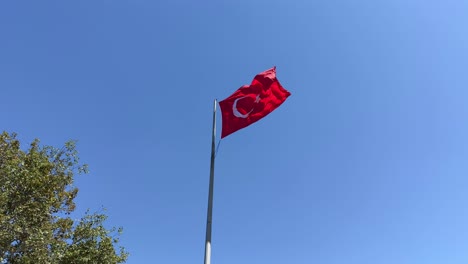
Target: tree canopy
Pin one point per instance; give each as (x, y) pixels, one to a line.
(36, 201)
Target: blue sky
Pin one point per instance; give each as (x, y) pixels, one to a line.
(366, 162)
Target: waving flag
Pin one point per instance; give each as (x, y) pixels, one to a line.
(251, 103)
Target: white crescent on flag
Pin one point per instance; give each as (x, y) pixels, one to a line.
(239, 114)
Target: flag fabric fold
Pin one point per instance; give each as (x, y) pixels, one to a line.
(251, 103)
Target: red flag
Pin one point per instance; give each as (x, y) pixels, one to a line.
(251, 103)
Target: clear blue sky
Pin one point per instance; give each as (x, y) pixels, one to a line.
(366, 162)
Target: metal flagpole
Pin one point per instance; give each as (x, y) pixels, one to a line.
(210, 193)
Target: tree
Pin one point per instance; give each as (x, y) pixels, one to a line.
(36, 200)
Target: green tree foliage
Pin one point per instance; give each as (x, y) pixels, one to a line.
(36, 200)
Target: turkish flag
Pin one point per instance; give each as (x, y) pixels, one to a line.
(251, 103)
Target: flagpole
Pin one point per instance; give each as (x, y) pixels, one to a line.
(210, 193)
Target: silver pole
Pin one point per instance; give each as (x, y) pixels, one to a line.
(210, 193)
